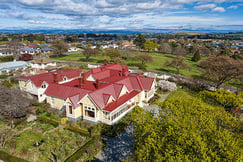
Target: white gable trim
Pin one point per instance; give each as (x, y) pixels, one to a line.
(90, 78)
(123, 88)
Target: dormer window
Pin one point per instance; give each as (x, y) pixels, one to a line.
(65, 78)
(43, 86)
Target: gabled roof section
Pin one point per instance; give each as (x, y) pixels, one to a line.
(146, 82)
(123, 99)
(49, 78)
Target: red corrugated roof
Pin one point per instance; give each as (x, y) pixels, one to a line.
(62, 91)
(123, 99)
(48, 77)
(147, 82)
(89, 85)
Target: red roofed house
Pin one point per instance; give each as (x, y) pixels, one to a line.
(104, 94)
(37, 84)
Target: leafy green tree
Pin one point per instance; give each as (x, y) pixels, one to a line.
(186, 130)
(112, 53)
(150, 45)
(196, 57)
(226, 99)
(139, 41)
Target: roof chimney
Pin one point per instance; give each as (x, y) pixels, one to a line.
(123, 71)
(97, 83)
(81, 82)
(55, 78)
(105, 62)
(42, 61)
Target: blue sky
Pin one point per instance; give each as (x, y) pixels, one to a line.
(121, 14)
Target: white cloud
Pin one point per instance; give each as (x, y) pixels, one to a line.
(36, 22)
(205, 7)
(218, 9)
(232, 7)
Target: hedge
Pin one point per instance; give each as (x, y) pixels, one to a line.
(17, 122)
(79, 152)
(96, 152)
(8, 158)
(77, 130)
(46, 120)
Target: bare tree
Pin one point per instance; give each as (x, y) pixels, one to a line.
(60, 47)
(221, 69)
(13, 103)
(178, 63)
(178, 50)
(6, 135)
(144, 58)
(88, 52)
(14, 46)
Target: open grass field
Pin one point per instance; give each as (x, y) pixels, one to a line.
(156, 65)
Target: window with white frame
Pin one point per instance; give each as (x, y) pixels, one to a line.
(52, 101)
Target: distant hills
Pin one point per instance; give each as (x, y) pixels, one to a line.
(213, 29)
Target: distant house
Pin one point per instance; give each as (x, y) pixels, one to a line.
(37, 84)
(27, 50)
(5, 53)
(235, 52)
(74, 49)
(42, 63)
(26, 57)
(12, 66)
(47, 50)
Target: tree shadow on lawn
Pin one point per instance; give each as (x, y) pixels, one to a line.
(166, 70)
(89, 60)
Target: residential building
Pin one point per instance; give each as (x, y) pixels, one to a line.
(37, 84)
(104, 94)
(12, 66)
(42, 63)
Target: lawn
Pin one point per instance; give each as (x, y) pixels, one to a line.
(26, 140)
(156, 65)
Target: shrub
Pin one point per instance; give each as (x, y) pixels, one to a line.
(6, 157)
(78, 130)
(90, 150)
(166, 85)
(64, 120)
(81, 151)
(46, 120)
(18, 122)
(73, 124)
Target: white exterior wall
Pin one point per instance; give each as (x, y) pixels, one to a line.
(43, 65)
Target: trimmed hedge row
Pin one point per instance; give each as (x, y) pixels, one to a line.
(77, 130)
(96, 152)
(49, 121)
(6, 157)
(18, 122)
(79, 152)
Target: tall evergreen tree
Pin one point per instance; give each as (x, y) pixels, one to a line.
(196, 57)
(139, 41)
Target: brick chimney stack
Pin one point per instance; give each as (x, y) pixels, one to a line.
(105, 62)
(123, 71)
(81, 82)
(55, 78)
(97, 83)
(42, 61)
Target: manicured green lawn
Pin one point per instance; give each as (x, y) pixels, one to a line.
(156, 65)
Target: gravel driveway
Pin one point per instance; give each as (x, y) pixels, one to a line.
(117, 148)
